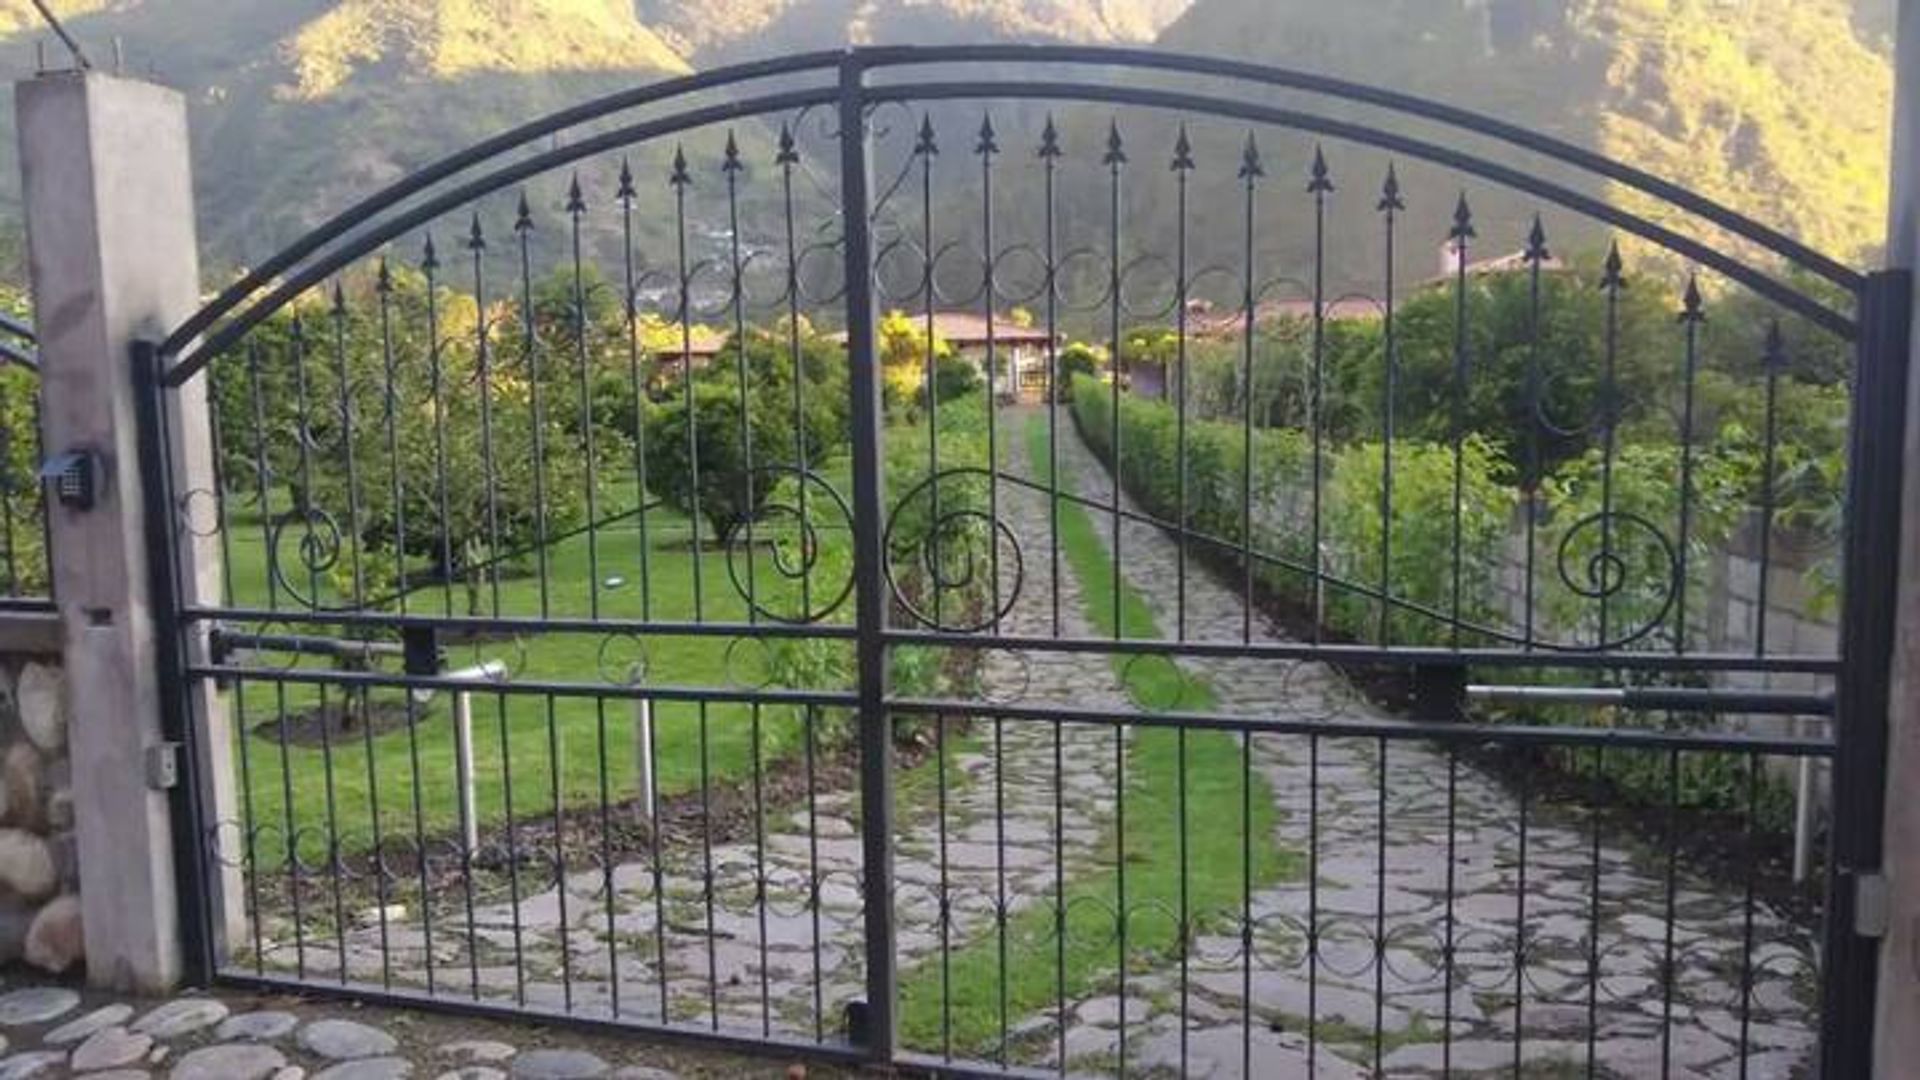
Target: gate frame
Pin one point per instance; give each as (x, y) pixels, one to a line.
(1872, 537)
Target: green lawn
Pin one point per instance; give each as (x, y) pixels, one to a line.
(300, 775)
(1205, 850)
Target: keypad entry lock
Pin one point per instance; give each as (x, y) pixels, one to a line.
(74, 478)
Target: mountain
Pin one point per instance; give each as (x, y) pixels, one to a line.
(299, 107)
(1778, 108)
(718, 31)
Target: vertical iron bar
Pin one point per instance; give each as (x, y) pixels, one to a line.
(731, 166)
(1447, 953)
(576, 210)
(1596, 797)
(429, 265)
(1749, 850)
(523, 230)
(560, 855)
(304, 414)
(1380, 915)
(760, 866)
(191, 837)
(1462, 232)
(1186, 930)
(1182, 168)
(637, 381)
(1776, 362)
(1691, 316)
(876, 766)
(1612, 282)
(1536, 256)
(1871, 559)
(606, 853)
(787, 158)
(1049, 154)
(1520, 930)
(1115, 158)
(1390, 203)
(706, 865)
(1318, 186)
(1672, 887)
(1250, 173)
(680, 180)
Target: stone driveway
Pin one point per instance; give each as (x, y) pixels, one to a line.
(1410, 848)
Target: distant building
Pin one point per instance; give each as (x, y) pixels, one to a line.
(1021, 351)
(695, 348)
(1514, 262)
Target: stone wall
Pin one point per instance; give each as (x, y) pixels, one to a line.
(39, 862)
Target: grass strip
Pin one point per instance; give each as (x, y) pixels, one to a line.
(963, 1007)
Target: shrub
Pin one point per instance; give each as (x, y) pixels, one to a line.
(1077, 360)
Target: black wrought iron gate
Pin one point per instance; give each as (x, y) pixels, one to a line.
(1001, 558)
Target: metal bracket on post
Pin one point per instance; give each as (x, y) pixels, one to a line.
(1439, 693)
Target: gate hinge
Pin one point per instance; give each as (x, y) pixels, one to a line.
(1870, 905)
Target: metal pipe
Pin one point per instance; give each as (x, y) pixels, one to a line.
(1671, 699)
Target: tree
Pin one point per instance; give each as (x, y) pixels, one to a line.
(378, 454)
(904, 344)
(796, 414)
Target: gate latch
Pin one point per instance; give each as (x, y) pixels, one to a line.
(1870, 905)
(163, 765)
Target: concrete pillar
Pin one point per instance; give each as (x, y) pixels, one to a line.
(108, 197)
(1896, 1034)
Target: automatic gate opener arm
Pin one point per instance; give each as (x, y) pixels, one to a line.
(1663, 698)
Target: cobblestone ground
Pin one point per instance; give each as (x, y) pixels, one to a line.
(1343, 798)
(1380, 818)
(53, 1031)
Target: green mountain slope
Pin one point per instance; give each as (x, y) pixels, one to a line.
(715, 31)
(1779, 108)
(299, 107)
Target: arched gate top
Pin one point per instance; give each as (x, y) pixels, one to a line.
(828, 76)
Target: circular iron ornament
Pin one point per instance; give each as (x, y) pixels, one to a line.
(1109, 917)
(1149, 288)
(708, 302)
(316, 552)
(788, 895)
(901, 270)
(1345, 946)
(1604, 573)
(1280, 941)
(791, 535)
(736, 663)
(765, 284)
(1006, 675)
(826, 285)
(1217, 943)
(1185, 686)
(622, 660)
(971, 271)
(944, 544)
(485, 652)
(1021, 297)
(270, 855)
(396, 858)
(1065, 278)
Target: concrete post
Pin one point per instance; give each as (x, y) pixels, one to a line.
(108, 197)
(1897, 1004)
